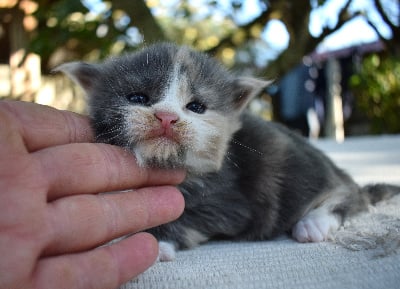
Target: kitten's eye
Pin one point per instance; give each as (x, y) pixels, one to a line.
(196, 107)
(138, 98)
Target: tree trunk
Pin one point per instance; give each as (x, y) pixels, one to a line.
(142, 18)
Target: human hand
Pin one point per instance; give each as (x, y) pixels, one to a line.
(52, 221)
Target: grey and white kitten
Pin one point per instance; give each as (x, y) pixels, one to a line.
(247, 179)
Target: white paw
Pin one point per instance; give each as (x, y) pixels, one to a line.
(315, 227)
(166, 251)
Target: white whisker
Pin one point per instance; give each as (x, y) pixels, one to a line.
(247, 147)
(115, 131)
(233, 162)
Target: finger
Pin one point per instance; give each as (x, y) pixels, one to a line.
(42, 126)
(82, 222)
(11, 142)
(93, 168)
(102, 268)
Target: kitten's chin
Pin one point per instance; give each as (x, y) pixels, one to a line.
(160, 153)
(167, 154)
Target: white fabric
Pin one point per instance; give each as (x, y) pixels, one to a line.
(364, 254)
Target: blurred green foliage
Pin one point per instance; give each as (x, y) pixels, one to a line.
(94, 29)
(68, 29)
(377, 90)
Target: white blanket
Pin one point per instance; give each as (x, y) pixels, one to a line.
(365, 252)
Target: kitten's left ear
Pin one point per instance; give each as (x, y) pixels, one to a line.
(247, 89)
(82, 73)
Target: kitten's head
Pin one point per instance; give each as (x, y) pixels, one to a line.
(169, 105)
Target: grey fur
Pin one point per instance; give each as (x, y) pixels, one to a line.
(266, 179)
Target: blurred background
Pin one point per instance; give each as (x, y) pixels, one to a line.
(335, 63)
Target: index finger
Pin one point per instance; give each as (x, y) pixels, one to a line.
(42, 126)
(92, 168)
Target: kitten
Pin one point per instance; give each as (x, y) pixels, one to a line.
(247, 179)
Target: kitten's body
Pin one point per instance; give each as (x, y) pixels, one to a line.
(247, 178)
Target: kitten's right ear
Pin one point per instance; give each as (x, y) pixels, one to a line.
(82, 73)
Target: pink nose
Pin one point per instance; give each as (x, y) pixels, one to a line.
(166, 118)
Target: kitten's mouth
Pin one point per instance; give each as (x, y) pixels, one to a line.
(163, 135)
(163, 146)
(163, 141)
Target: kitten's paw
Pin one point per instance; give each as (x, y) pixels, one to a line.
(166, 251)
(315, 227)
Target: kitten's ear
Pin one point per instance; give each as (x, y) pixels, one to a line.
(82, 73)
(247, 89)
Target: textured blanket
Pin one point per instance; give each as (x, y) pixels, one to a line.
(364, 253)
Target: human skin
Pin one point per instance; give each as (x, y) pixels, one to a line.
(52, 219)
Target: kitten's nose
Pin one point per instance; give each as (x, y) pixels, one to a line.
(166, 118)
